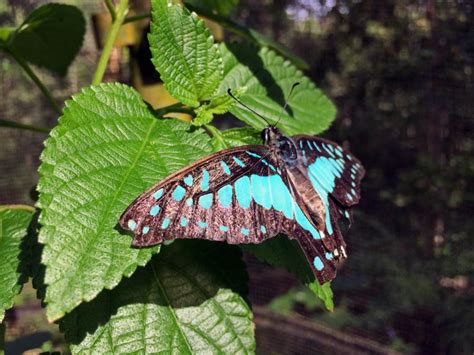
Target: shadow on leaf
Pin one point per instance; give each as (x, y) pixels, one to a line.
(248, 55)
(188, 280)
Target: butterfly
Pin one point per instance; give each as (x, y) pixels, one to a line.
(301, 186)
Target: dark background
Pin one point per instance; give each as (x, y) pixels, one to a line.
(401, 76)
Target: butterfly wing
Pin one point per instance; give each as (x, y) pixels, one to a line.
(228, 196)
(338, 171)
(239, 195)
(322, 262)
(335, 174)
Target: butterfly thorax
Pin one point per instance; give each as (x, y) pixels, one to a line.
(283, 147)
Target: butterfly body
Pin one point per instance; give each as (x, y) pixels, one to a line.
(301, 186)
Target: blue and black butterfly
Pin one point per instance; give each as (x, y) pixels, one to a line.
(300, 186)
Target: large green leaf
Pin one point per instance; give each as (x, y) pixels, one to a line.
(184, 53)
(50, 37)
(106, 150)
(14, 221)
(269, 78)
(186, 301)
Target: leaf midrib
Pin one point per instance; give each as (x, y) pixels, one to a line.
(211, 299)
(181, 55)
(168, 304)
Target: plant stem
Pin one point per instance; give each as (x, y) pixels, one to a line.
(121, 11)
(33, 77)
(111, 8)
(137, 17)
(217, 135)
(11, 124)
(178, 107)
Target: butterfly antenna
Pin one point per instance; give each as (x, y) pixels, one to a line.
(287, 99)
(248, 108)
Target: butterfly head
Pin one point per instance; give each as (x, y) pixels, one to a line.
(283, 146)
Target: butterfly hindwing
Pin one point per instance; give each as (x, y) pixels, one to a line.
(333, 170)
(335, 175)
(322, 262)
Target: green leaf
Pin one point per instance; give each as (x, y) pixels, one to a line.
(235, 137)
(324, 292)
(285, 253)
(107, 149)
(250, 34)
(14, 221)
(187, 300)
(222, 7)
(5, 33)
(268, 78)
(218, 105)
(184, 53)
(50, 37)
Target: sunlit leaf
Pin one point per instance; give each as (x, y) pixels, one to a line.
(218, 105)
(269, 78)
(14, 221)
(184, 53)
(107, 149)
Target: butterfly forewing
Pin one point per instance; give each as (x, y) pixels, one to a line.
(236, 195)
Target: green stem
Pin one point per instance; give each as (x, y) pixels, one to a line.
(11, 124)
(217, 135)
(178, 107)
(137, 18)
(111, 8)
(33, 77)
(121, 11)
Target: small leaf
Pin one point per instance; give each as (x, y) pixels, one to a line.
(235, 137)
(219, 105)
(269, 78)
(324, 292)
(285, 253)
(5, 33)
(50, 37)
(107, 149)
(222, 7)
(184, 53)
(14, 221)
(187, 300)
